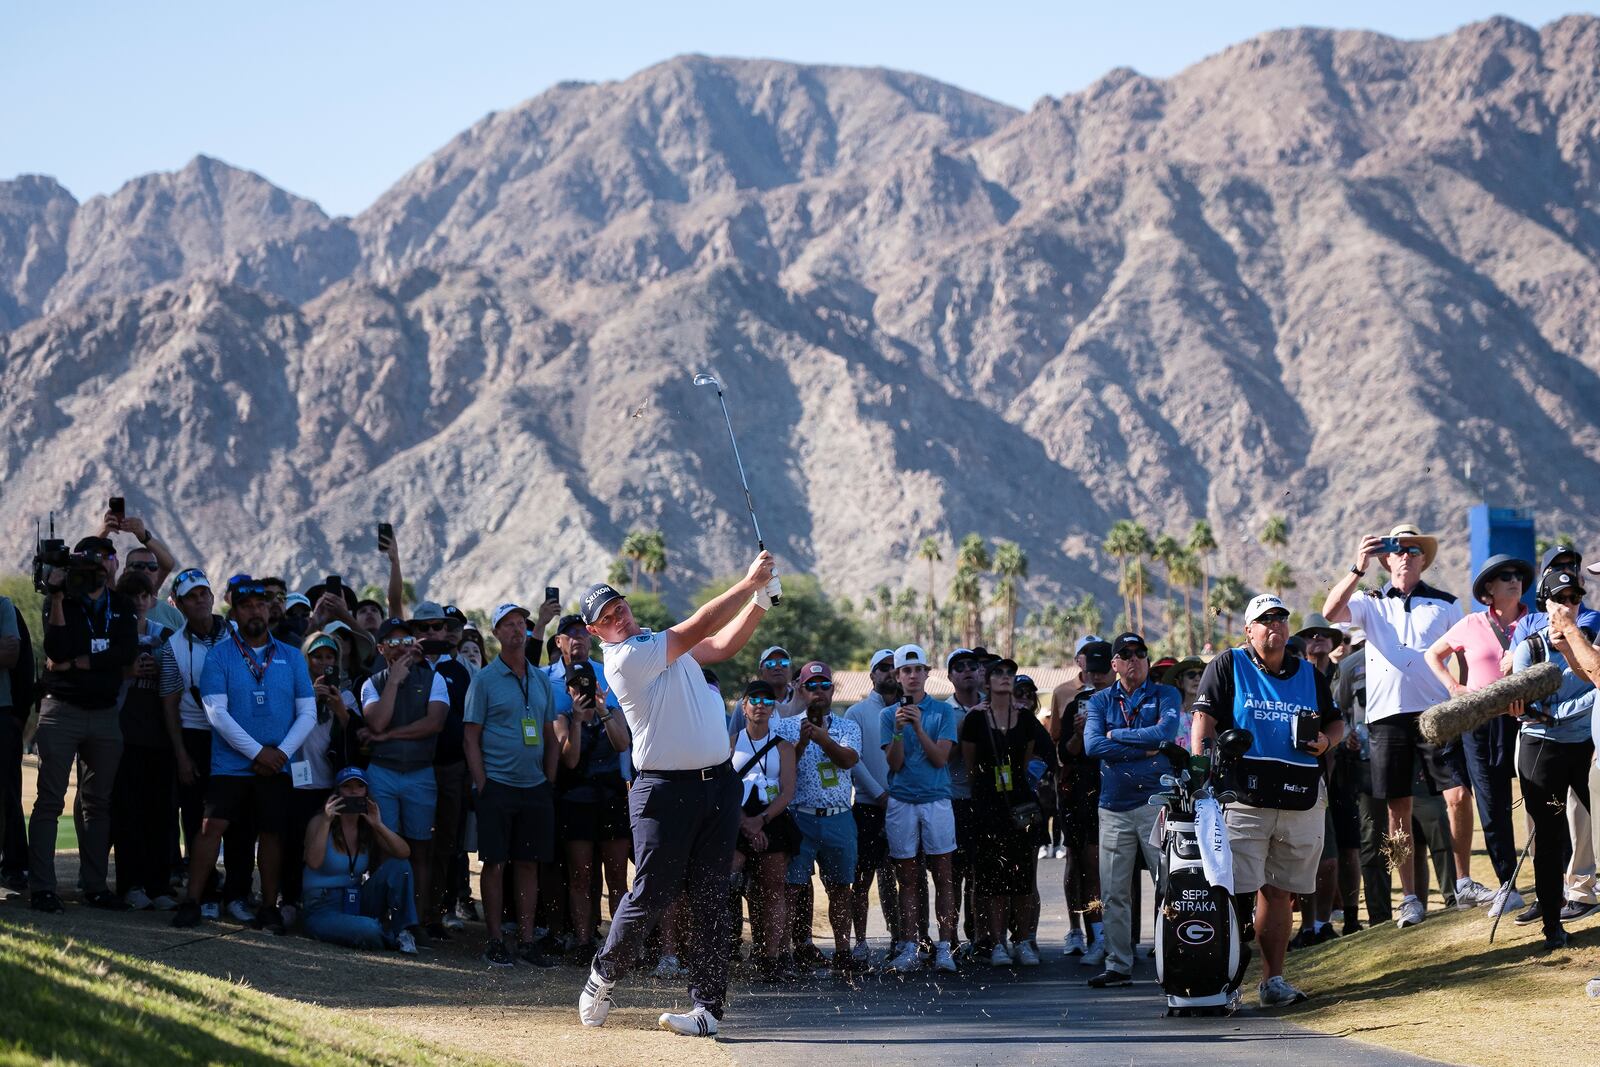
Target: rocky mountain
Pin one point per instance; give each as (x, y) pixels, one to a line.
(1331, 275)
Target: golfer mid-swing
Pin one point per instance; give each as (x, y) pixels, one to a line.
(684, 804)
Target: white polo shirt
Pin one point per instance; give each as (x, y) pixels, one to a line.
(678, 723)
(1399, 629)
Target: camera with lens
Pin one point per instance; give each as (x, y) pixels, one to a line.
(50, 554)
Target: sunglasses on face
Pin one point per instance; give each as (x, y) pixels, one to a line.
(1408, 550)
(817, 684)
(431, 627)
(1133, 653)
(1505, 576)
(773, 663)
(150, 567)
(761, 702)
(961, 666)
(1189, 676)
(397, 642)
(1273, 619)
(1571, 599)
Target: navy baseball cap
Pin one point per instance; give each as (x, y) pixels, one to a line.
(595, 599)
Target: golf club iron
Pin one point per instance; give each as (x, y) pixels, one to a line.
(774, 588)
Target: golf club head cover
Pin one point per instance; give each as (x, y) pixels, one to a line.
(1450, 719)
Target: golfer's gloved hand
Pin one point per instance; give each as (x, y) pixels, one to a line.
(768, 595)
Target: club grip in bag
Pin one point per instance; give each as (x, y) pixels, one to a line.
(774, 590)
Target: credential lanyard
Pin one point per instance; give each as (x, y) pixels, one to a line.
(258, 670)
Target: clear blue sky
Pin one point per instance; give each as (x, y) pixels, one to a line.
(335, 100)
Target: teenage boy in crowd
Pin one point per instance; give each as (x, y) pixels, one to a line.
(918, 736)
(261, 705)
(1125, 726)
(90, 639)
(1276, 828)
(826, 748)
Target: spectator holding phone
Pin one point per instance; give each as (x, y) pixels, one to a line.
(141, 800)
(358, 889)
(321, 758)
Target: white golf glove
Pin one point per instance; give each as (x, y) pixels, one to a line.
(769, 594)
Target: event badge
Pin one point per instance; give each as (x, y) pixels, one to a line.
(827, 774)
(1002, 778)
(99, 644)
(530, 731)
(300, 774)
(261, 698)
(771, 790)
(350, 904)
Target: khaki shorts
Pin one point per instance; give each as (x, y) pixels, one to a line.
(1277, 848)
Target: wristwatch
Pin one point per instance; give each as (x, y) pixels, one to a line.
(1356, 572)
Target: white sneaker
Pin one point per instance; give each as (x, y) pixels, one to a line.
(406, 942)
(1027, 954)
(137, 900)
(942, 959)
(697, 1023)
(1044, 852)
(1471, 893)
(908, 960)
(667, 969)
(1061, 852)
(594, 1003)
(1506, 901)
(1075, 943)
(211, 911)
(165, 902)
(1411, 913)
(1096, 956)
(240, 912)
(1592, 987)
(1000, 957)
(1276, 992)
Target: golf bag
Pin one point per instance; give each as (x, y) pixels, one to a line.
(1200, 956)
(1200, 959)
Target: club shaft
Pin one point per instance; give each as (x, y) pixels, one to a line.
(749, 500)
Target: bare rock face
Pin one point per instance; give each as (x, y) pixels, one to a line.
(1334, 276)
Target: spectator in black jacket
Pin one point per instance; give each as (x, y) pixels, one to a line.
(90, 641)
(16, 672)
(439, 634)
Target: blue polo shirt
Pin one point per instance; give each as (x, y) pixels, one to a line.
(500, 702)
(263, 708)
(918, 781)
(1140, 721)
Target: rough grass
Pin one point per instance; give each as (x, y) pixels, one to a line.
(1441, 990)
(71, 1002)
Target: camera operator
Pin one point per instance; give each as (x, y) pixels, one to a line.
(1276, 828)
(591, 801)
(91, 637)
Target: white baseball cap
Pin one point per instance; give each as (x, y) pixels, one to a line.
(910, 655)
(1088, 639)
(1261, 605)
(508, 609)
(879, 656)
(188, 581)
(770, 650)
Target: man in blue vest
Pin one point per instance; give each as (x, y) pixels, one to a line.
(1277, 826)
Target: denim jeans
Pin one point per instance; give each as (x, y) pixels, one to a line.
(388, 906)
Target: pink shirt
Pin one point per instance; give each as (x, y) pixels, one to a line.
(1474, 640)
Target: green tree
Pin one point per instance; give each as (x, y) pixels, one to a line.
(930, 553)
(1011, 566)
(907, 618)
(973, 557)
(634, 549)
(883, 602)
(1135, 580)
(967, 591)
(1279, 577)
(1185, 573)
(618, 575)
(1165, 550)
(1202, 543)
(18, 588)
(653, 561)
(1275, 534)
(1087, 614)
(1228, 598)
(809, 623)
(1542, 545)
(1130, 541)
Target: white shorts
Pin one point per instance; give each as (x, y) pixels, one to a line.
(1278, 848)
(930, 826)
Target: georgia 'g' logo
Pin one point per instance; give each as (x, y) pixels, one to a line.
(1196, 932)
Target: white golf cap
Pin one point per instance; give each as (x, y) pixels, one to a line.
(767, 654)
(508, 609)
(910, 656)
(1261, 605)
(188, 581)
(1087, 639)
(879, 656)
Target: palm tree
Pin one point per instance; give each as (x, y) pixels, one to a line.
(1086, 612)
(1134, 581)
(634, 548)
(617, 575)
(967, 590)
(1202, 543)
(1275, 534)
(1011, 564)
(1165, 551)
(906, 616)
(654, 560)
(973, 555)
(1542, 545)
(1122, 543)
(1279, 577)
(1185, 573)
(883, 600)
(929, 550)
(1228, 597)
